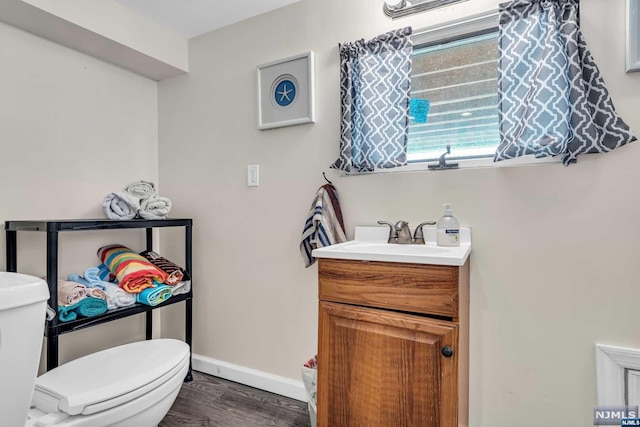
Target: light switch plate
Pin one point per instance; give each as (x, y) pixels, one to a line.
(253, 175)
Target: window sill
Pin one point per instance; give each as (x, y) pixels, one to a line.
(463, 164)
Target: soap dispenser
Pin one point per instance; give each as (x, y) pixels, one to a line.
(448, 228)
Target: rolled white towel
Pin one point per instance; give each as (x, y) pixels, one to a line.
(117, 297)
(141, 189)
(181, 288)
(120, 205)
(155, 208)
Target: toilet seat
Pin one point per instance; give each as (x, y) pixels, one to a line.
(110, 378)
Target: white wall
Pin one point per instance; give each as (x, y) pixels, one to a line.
(553, 268)
(552, 271)
(72, 130)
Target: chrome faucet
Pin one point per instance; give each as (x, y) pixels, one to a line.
(400, 233)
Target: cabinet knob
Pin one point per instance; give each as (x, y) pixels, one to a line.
(447, 351)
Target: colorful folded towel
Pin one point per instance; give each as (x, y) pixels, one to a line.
(141, 189)
(70, 293)
(133, 271)
(155, 208)
(324, 225)
(116, 297)
(175, 272)
(86, 307)
(120, 206)
(155, 295)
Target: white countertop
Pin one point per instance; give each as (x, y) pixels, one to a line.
(370, 244)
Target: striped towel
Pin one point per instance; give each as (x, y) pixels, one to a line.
(104, 273)
(134, 272)
(175, 272)
(324, 226)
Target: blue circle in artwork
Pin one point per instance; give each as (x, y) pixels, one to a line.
(284, 93)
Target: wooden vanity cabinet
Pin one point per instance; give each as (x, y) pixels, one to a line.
(392, 344)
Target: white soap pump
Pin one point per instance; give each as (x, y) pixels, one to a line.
(448, 228)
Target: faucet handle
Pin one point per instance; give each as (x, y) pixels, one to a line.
(418, 235)
(393, 232)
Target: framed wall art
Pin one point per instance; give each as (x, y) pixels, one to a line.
(633, 33)
(286, 92)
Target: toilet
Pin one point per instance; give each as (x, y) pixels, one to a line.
(132, 385)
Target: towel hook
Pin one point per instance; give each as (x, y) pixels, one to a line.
(325, 178)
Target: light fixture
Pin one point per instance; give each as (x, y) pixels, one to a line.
(395, 4)
(399, 8)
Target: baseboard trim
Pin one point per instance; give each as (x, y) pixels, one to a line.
(251, 377)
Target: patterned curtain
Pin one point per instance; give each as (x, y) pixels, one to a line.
(552, 98)
(375, 81)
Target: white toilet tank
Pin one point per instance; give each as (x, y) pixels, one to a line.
(23, 305)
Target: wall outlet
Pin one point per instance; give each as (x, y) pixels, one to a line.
(253, 175)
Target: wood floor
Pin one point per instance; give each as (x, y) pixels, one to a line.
(213, 402)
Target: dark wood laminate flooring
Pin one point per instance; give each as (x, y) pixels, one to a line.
(209, 401)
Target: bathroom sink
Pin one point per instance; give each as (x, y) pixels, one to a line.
(370, 245)
(386, 248)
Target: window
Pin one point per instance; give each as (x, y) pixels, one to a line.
(455, 70)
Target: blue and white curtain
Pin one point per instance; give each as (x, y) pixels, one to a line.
(375, 82)
(552, 98)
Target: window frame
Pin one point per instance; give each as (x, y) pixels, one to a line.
(441, 33)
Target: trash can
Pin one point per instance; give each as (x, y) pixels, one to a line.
(309, 377)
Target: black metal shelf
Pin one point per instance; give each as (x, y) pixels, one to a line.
(52, 228)
(115, 314)
(92, 224)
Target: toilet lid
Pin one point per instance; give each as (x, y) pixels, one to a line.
(110, 377)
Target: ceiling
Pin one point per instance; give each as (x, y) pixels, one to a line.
(191, 18)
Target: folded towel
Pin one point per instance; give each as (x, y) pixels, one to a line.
(175, 272)
(70, 293)
(78, 279)
(134, 272)
(86, 307)
(141, 189)
(97, 293)
(181, 288)
(155, 295)
(90, 278)
(104, 273)
(92, 275)
(116, 297)
(120, 206)
(155, 208)
(324, 226)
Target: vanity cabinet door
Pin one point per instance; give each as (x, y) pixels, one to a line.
(379, 368)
